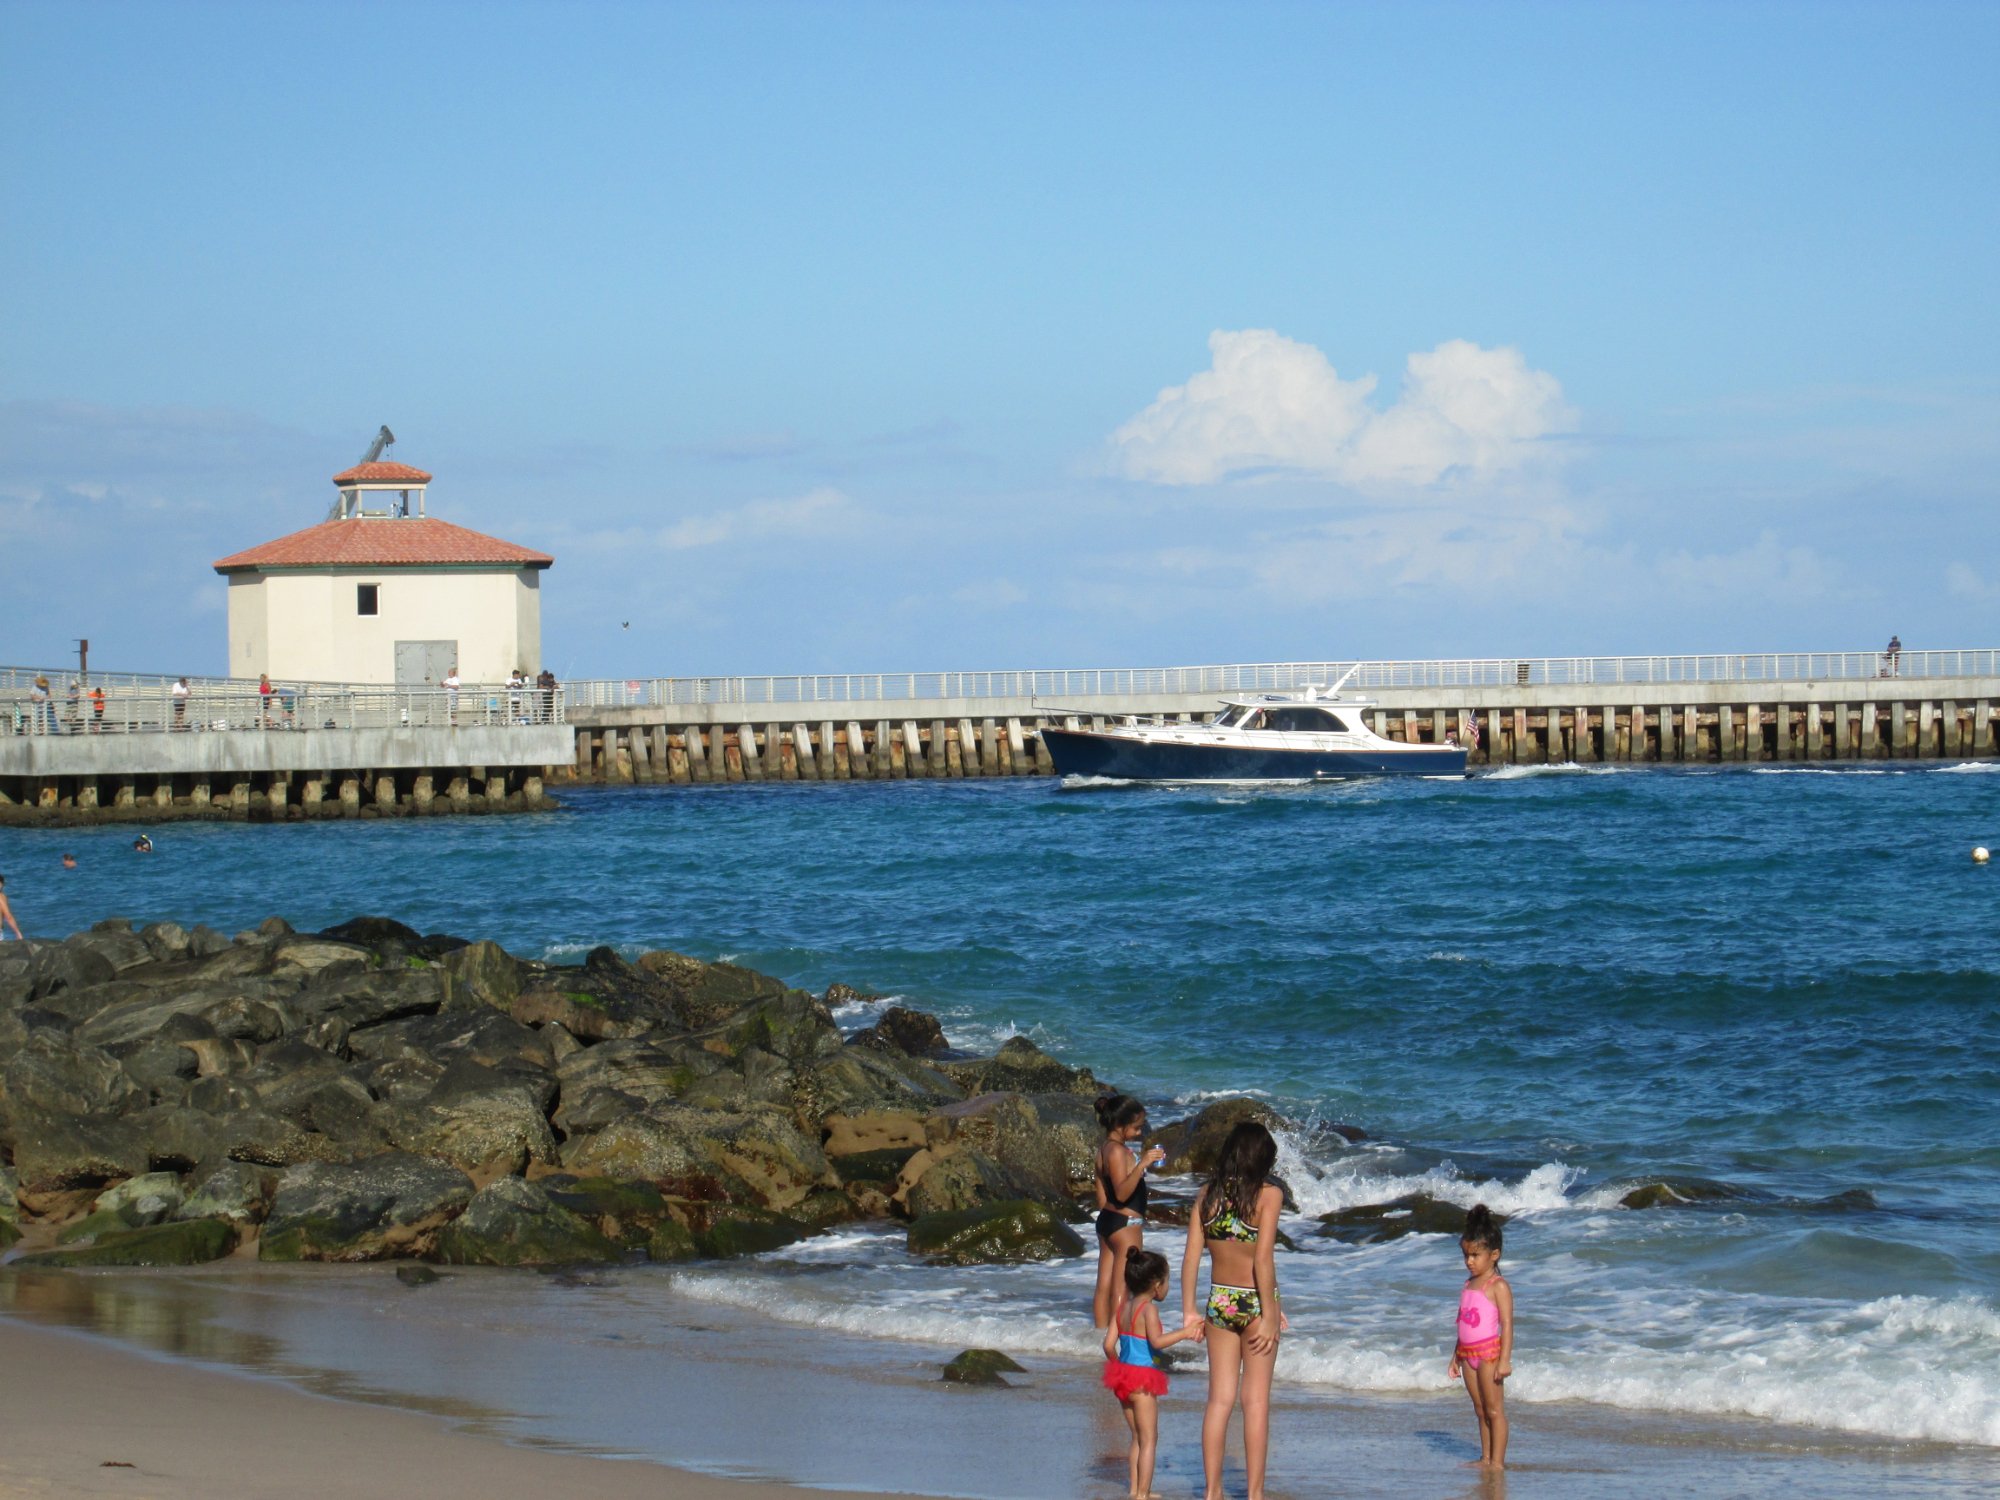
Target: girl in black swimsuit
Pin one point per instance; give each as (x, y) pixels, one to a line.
(1121, 1195)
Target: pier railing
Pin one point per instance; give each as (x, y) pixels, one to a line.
(1269, 677)
(151, 705)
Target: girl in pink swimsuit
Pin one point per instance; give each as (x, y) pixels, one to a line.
(1484, 1354)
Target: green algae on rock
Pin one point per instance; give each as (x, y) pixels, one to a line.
(997, 1233)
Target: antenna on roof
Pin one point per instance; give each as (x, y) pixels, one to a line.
(383, 439)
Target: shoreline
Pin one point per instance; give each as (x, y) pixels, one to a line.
(88, 1415)
(503, 1384)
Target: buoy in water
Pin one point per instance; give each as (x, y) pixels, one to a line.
(1980, 856)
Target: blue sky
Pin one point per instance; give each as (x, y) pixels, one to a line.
(814, 337)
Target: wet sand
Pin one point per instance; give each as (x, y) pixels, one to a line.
(496, 1384)
(84, 1416)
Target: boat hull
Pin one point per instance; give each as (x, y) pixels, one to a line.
(1083, 752)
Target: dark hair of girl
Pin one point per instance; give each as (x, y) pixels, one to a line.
(1481, 1228)
(1116, 1111)
(1241, 1168)
(1143, 1269)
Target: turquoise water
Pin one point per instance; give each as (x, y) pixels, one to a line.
(1531, 988)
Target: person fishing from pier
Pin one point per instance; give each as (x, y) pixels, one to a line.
(1121, 1195)
(1132, 1371)
(1484, 1354)
(1235, 1221)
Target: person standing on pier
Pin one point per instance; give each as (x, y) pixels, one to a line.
(7, 916)
(180, 703)
(545, 689)
(97, 709)
(451, 693)
(1892, 653)
(40, 710)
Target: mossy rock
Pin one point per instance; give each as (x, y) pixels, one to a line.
(189, 1243)
(516, 1223)
(1378, 1223)
(992, 1233)
(8, 1234)
(736, 1229)
(671, 1241)
(1680, 1192)
(873, 1166)
(981, 1367)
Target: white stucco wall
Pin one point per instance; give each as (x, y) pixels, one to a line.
(303, 626)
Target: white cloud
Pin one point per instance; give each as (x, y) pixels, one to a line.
(820, 512)
(1272, 404)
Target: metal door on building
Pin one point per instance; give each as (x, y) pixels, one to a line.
(424, 663)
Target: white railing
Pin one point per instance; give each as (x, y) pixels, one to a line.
(831, 689)
(151, 705)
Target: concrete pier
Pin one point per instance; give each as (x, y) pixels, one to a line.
(279, 774)
(1718, 722)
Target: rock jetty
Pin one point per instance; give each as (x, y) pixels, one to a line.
(367, 1093)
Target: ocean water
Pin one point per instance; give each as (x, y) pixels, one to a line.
(1532, 989)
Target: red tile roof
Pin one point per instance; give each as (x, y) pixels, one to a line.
(381, 472)
(383, 542)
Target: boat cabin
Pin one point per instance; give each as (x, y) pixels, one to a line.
(1293, 718)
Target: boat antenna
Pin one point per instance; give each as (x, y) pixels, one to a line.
(1334, 691)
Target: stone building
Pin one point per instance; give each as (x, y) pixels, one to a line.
(381, 592)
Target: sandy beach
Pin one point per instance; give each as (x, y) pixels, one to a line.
(87, 1417)
(336, 1381)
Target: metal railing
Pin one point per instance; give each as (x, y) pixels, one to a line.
(877, 687)
(139, 705)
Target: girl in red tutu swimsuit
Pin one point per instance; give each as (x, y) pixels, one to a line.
(1130, 1371)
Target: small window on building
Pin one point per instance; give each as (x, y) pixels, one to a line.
(367, 599)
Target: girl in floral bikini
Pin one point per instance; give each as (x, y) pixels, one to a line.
(1485, 1349)
(1235, 1220)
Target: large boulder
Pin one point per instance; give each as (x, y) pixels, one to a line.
(485, 1037)
(704, 994)
(871, 1131)
(995, 1233)
(371, 996)
(381, 934)
(253, 1010)
(1072, 1125)
(1020, 1067)
(762, 1158)
(479, 975)
(1005, 1129)
(1193, 1144)
(947, 1179)
(517, 1223)
(858, 1081)
(723, 1231)
(52, 1074)
(390, 1204)
(237, 1191)
(69, 965)
(792, 1024)
(181, 1244)
(151, 1198)
(909, 1033)
(618, 1078)
(57, 1153)
(479, 1120)
(628, 1213)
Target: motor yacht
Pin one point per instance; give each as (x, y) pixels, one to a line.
(1314, 735)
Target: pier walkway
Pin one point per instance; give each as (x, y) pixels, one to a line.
(147, 747)
(1757, 706)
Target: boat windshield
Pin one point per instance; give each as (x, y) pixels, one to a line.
(1227, 718)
